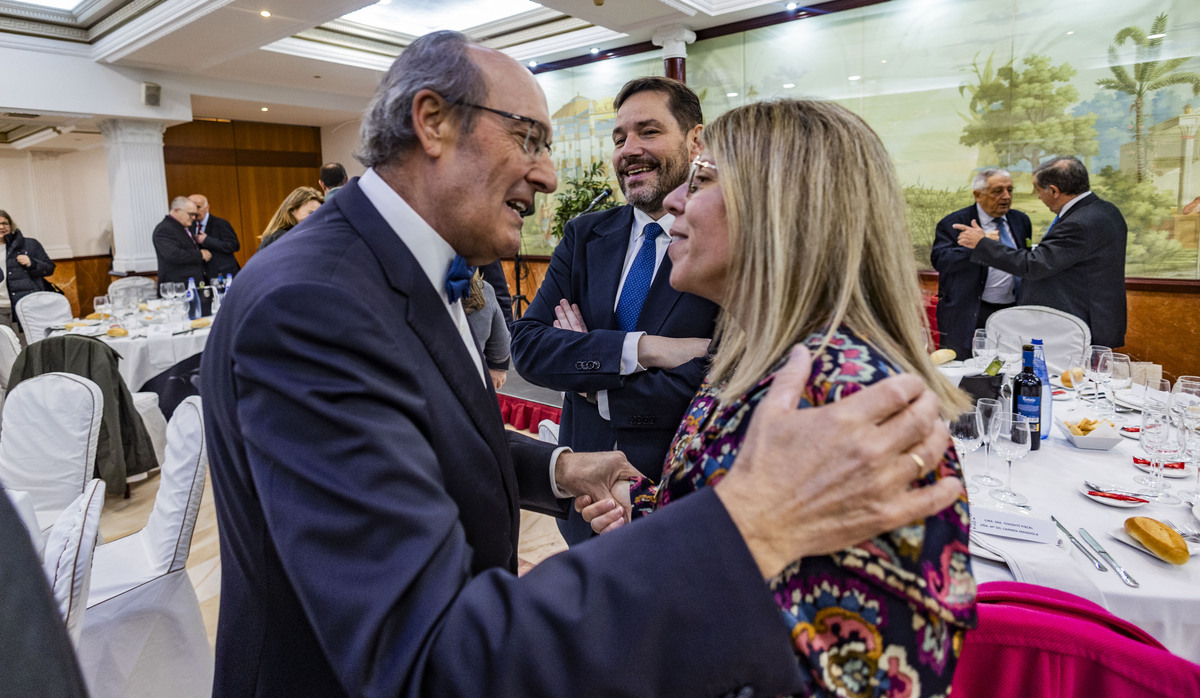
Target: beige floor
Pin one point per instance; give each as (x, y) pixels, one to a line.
(539, 539)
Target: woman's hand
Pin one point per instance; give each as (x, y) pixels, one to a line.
(609, 514)
(24, 260)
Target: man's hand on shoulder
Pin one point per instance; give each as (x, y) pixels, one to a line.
(655, 351)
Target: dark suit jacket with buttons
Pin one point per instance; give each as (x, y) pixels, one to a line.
(367, 496)
(646, 407)
(960, 279)
(1078, 267)
(221, 240)
(178, 254)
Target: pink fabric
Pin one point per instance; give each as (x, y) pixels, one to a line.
(929, 304)
(1036, 641)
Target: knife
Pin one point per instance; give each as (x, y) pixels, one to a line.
(1129, 581)
(1083, 549)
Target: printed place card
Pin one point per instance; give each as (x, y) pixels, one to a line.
(1011, 524)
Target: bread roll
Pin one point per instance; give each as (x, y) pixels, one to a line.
(1158, 538)
(1068, 378)
(117, 332)
(942, 356)
(201, 322)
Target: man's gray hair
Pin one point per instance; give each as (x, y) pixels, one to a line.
(439, 62)
(180, 203)
(981, 179)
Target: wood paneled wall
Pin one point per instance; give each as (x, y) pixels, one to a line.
(81, 280)
(245, 169)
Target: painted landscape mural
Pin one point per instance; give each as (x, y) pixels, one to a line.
(953, 86)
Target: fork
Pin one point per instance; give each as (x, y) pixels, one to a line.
(1187, 532)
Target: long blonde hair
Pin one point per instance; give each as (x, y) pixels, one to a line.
(285, 216)
(817, 238)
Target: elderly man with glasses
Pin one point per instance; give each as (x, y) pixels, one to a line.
(180, 257)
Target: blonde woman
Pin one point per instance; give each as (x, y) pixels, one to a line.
(792, 221)
(488, 327)
(298, 205)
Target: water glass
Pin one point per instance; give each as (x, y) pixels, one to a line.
(966, 430)
(1117, 375)
(983, 348)
(1185, 410)
(987, 410)
(101, 305)
(1012, 443)
(1096, 362)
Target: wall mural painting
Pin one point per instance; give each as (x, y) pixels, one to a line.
(954, 86)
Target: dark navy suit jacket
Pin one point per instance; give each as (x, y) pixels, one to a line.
(1078, 267)
(960, 279)
(367, 495)
(221, 240)
(647, 406)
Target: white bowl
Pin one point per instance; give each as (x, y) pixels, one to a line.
(1092, 442)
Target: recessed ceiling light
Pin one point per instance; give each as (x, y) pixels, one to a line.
(854, 77)
(883, 61)
(1070, 32)
(595, 51)
(532, 64)
(1156, 36)
(264, 13)
(792, 5)
(265, 109)
(731, 94)
(788, 85)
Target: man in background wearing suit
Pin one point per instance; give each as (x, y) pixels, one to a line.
(606, 327)
(179, 257)
(1079, 266)
(367, 491)
(969, 292)
(333, 178)
(217, 236)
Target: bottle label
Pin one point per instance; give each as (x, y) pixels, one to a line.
(1030, 408)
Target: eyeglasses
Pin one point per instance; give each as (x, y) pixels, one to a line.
(698, 165)
(535, 135)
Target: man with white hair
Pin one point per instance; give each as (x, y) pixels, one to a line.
(969, 291)
(179, 256)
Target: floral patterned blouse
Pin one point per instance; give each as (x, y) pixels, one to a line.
(883, 618)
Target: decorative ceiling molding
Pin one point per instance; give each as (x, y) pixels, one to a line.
(151, 26)
(387, 36)
(125, 13)
(37, 13)
(541, 31)
(303, 48)
(42, 29)
(563, 42)
(89, 11)
(513, 24)
(350, 41)
(42, 44)
(104, 16)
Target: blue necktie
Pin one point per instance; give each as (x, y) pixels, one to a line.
(1007, 240)
(1052, 223)
(637, 281)
(458, 279)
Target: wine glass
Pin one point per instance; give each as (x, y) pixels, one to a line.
(982, 348)
(101, 305)
(987, 410)
(966, 430)
(1185, 409)
(1076, 364)
(1012, 443)
(1008, 346)
(1094, 362)
(1162, 441)
(1119, 376)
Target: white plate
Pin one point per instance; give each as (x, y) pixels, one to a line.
(1171, 473)
(1066, 393)
(1084, 489)
(1135, 435)
(955, 363)
(1121, 535)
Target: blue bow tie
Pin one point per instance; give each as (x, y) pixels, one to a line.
(458, 279)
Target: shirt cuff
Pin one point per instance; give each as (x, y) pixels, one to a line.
(629, 354)
(602, 405)
(553, 462)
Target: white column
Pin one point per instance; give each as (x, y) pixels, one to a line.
(49, 225)
(1187, 133)
(137, 182)
(674, 39)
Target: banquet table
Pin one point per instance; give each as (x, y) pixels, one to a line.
(148, 352)
(1167, 603)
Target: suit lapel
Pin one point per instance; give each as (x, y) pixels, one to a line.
(605, 257)
(659, 301)
(432, 325)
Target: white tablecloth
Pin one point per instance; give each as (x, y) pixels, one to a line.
(1167, 604)
(145, 355)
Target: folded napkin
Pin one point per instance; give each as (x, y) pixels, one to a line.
(162, 350)
(1043, 564)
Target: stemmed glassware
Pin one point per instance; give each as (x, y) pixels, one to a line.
(983, 348)
(987, 410)
(101, 305)
(1097, 360)
(966, 430)
(1185, 408)
(1012, 443)
(1162, 441)
(1118, 376)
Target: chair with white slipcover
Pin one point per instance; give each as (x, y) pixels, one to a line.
(145, 286)
(144, 633)
(548, 431)
(40, 311)
(1063, 335)
(10, 349)
(67, 559)
(51, 430)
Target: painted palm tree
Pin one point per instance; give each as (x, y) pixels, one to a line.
(1149, 74)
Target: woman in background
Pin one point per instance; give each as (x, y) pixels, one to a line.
(296, 207)
(488, 327)
(792, 221)
(27, 266)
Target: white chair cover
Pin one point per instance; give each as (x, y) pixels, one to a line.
(144, 633)
(22, 502)
(51, 429)
(1063, 335)
(10, 348)
(40, 311)
(548, 431)
(67, 560)
(145, 286)
(156, 423)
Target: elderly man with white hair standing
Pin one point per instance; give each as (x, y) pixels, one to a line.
(968, 291)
